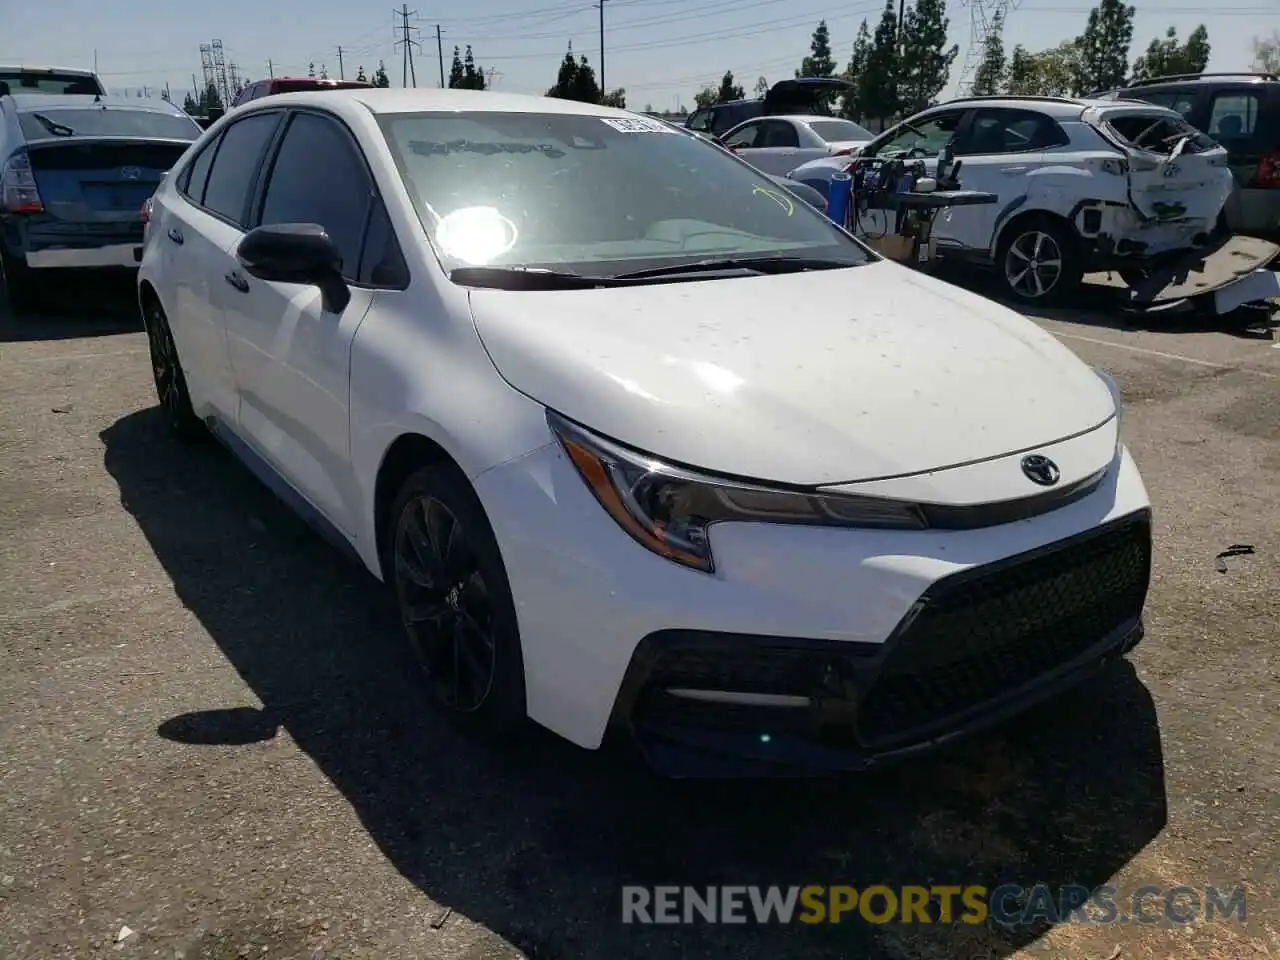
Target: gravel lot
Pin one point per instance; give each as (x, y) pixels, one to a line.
(208, 733)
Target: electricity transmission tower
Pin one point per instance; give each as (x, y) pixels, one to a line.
(220, 72)
(408, 43)
(206, 67)
(983, 16)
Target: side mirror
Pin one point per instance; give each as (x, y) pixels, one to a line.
(296, 253)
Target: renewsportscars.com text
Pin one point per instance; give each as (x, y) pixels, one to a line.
(1009, 905)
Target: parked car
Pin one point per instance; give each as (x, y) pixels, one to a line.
(1241, 112)
(274, 85)
(634, 443)
(50, 80)
(74, 173)
(797, 96)
(779, 144)
(1083, 185)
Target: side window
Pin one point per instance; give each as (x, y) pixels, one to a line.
(194, 177)
(778, 133)
(381, 261)
(1182, 101)
(745, 138)
(318, 177)
(924, 137)
(1233, 118)
(701, 119)
(235, 168)
(996, 132)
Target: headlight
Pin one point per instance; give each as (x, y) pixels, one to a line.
(669, 509)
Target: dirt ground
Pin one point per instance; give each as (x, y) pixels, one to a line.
(209, 734)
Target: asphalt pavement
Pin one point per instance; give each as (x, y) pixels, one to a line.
(211, 745)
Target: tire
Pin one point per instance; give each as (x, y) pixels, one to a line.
(20, 287)
(166, 371)
(1035, 241)
(455, 603)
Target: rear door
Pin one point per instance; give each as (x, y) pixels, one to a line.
(197, 235)
(1175, 171)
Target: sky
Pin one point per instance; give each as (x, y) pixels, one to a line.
(660, 51)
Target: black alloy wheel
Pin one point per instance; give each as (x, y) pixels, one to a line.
(166, 370)
(455, 603)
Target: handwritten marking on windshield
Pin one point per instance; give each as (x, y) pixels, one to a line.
(777, 197)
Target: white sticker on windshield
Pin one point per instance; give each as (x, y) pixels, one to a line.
(637, 125)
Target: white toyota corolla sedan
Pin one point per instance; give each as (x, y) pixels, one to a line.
(640, 440)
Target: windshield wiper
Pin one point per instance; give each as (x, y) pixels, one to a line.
(526, 278)
(753, 264)
(53, 126)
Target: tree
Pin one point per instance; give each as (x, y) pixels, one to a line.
(1104, 48)
(989, 78)
(1166, 57)
(878, 91)
(1020, 77)
(210, 99)
(819, 63)
(617, 98)
(311, 69)
(164, 95)
(851, 104)
(728, 89)
(925, 61)
(456, 76)
(1266, 54)
(189, 105)
(585, 88)
(704, 97)
(380, 78)
(761, 87)
(565, 78)
(360, 74)
(324, 72)
(472, 76)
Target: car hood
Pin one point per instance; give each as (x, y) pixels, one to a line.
(817, 378)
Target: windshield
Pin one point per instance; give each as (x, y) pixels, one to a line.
(835, 130)
(596, 195)
(53, 121)
(20, 81)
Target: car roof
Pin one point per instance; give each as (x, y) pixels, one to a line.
(45, 102)
(1183, 79)
(27, 68)
(389, 100)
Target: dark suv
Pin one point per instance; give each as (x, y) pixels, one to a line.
(1241, 112)
(797, 96)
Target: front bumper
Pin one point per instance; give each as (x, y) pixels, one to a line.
(978, 647)
(586, 594)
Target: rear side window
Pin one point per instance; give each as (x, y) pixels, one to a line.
(1181, 101)
(236, 165)
(106, 122)
(1233, 117)
(318, 177)
(1158, 133)
(1012, 131)
(196, 175)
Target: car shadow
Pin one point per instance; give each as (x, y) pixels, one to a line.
(76, 309)
(1098, 304)
(536, 843)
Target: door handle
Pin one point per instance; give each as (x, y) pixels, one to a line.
(236, 280)
(175, 235)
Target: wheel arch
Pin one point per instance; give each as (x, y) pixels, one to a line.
(1024, 218)
(406, 454)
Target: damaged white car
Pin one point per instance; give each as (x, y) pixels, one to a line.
(1083, 185)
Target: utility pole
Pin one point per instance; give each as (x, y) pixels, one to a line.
(600, 5)
(341, 74)
(440, 54)
(271, 69)
(407, 71)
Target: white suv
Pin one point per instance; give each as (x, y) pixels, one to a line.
(1082, 185)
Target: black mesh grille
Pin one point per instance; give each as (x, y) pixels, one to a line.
(985, 635)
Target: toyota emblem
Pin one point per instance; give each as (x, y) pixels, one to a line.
(131, 173)
(1041, 470)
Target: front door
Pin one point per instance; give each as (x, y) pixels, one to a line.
(290, 349)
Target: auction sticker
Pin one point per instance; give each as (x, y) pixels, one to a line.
(636, 125)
